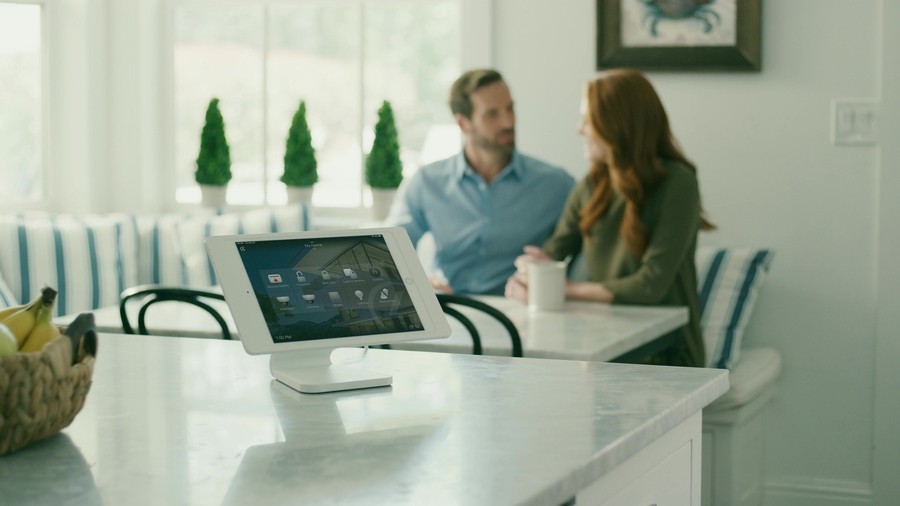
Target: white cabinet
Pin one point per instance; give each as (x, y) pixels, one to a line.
(665, 473)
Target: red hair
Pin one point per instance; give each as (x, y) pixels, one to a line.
(625, 112)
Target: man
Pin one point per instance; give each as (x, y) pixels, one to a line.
(486, 203)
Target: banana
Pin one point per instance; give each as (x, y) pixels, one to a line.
(44, 330)
(9, 311)
(22, 321)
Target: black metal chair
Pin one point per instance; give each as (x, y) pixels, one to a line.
(447, 302)
(152, 294)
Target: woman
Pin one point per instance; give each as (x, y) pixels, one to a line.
(635, 216)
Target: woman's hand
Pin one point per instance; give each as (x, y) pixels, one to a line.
(517, 284)
(516, 289)
(587, 290)
(530, 254)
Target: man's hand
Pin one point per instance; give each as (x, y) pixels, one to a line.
(439, 283)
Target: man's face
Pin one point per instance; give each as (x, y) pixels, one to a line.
(493, 123)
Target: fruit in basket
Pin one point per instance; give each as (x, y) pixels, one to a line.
(8, 343)
(22, 321)
(9, 311)
(44, 330)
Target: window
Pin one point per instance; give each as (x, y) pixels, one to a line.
(21, 106)
(343, 57)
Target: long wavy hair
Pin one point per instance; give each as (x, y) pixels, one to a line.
(625, 112)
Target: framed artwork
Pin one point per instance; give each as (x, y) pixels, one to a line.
(692, 35)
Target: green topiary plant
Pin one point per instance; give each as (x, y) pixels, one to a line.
(299, 154)
(383, 166)
(214, 160)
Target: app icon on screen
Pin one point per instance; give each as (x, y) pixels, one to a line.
(375, 272)
(335, 297)
(274, 278)
(284, 299)
(350, 273)
(326, 275)
(384, 294)
(359, 294)
(300, 277)
(309, 297)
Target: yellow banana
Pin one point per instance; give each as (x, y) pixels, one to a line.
(9, 311)
(44, 330)
(22, 321)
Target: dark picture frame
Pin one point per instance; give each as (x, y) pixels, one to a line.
(744, 55)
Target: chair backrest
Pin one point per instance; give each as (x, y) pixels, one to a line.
(449, 300)
(152, 294)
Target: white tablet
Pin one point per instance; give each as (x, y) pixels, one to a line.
(292, 292)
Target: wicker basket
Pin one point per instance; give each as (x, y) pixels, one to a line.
(41, 392)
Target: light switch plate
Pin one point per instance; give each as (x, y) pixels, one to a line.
(854, 122)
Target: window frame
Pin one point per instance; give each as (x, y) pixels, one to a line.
(44, 197)
(476, 51)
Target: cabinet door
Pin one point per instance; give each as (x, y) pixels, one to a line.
(668, 483)
(664, 473)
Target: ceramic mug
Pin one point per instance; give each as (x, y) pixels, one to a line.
(546, 286)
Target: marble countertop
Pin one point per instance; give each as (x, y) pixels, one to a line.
(197, 421)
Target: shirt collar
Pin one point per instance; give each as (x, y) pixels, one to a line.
(462, 168)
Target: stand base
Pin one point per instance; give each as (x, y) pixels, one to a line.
(312, 372)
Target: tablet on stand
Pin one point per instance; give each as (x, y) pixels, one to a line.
(299, 296)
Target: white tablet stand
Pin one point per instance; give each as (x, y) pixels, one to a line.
(311, 371)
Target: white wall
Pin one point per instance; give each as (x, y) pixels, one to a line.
(769, 177)
(887, 344)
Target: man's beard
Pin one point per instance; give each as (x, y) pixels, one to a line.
(488, 144)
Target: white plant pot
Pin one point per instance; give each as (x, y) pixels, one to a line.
(213, 196)
(382, 198)
(299, 194)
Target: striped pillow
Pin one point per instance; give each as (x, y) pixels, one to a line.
(159, 251)
(85, 258)
(7, 297)
(728, 282)
(191, 234)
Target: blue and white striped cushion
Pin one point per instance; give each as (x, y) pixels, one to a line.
(85, 258)
(159, 250)
(728, 283)
(7, 297)
(191, 233)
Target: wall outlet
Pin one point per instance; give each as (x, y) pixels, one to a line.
(854, 122)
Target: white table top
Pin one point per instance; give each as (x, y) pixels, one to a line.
(584, 331)
(197, 421)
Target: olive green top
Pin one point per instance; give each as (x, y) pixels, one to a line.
(666, 275)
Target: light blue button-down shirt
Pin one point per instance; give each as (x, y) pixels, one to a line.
(479, 229)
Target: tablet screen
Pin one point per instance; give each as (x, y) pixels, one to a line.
(328, 287)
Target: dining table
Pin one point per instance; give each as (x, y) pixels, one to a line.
(582, 330)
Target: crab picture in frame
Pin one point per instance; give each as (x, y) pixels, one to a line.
(679, 34)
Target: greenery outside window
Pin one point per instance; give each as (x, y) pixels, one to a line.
(343, 57)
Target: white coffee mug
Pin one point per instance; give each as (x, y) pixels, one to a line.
(546, 286)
